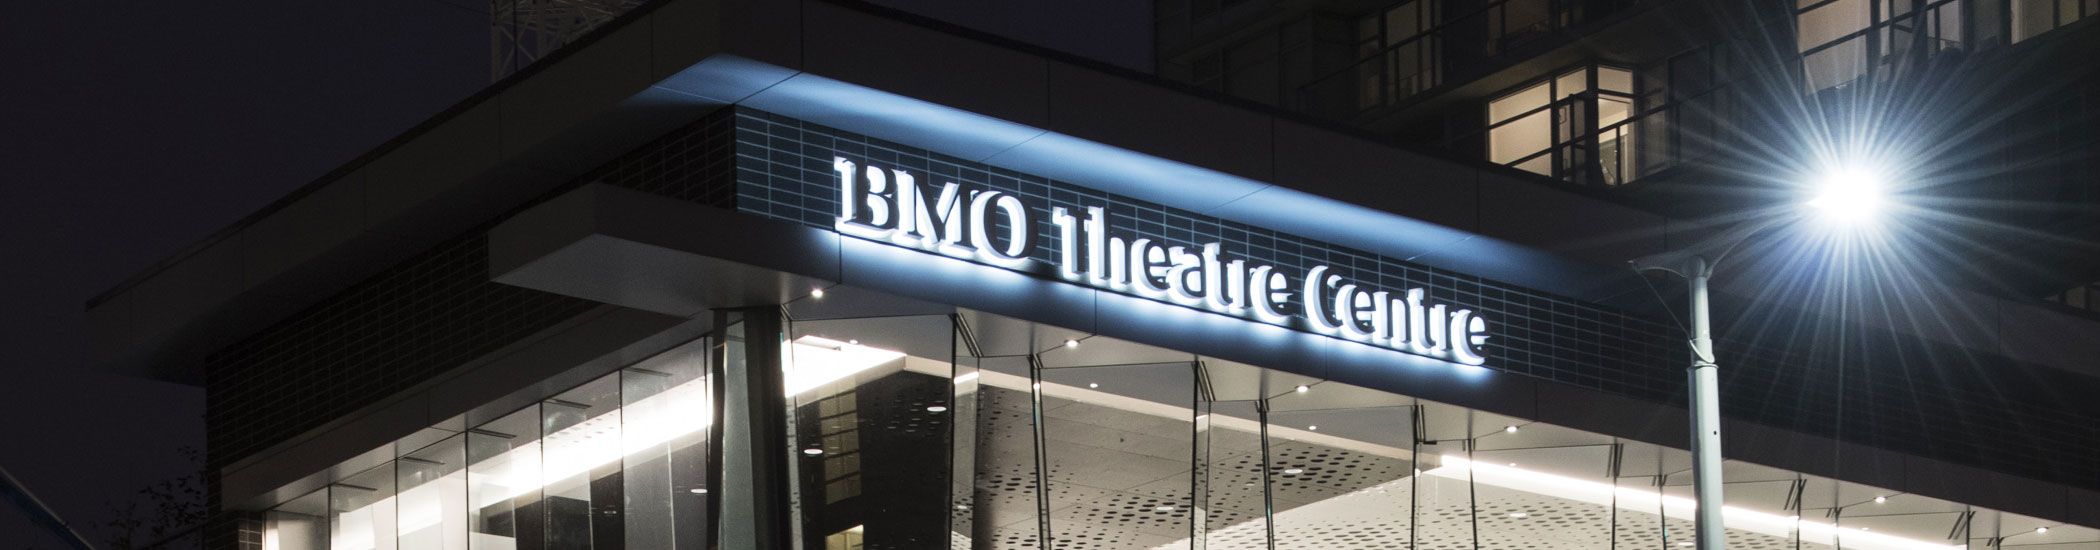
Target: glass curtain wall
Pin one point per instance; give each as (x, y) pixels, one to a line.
(971, 431)
(618, 462)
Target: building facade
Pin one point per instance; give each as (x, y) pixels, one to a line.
(827, 275)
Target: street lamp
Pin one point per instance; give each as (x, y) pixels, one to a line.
(1843, 200)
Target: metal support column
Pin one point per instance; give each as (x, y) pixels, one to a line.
(751, 347)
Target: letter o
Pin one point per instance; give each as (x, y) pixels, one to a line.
(1017, 226)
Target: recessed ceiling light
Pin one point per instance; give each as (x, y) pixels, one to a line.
(1684, 544)
(1519, 515)
(699, 490)
(1511, 429)
(1880, 499)
(1313, 428)
(853, 342)
(1163, 509)
(2041, 529)
(817, 293)
(1293, 471)
(1071, 343)
(936, 408)
(1092, 385)
(1302, 388)
(812, 451)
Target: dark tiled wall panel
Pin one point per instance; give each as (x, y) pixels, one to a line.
(408, 324)
(1937, 401)
(691, 164)
(415, 320)
(423, 316)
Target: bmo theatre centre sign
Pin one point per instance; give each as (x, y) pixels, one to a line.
(997, 228)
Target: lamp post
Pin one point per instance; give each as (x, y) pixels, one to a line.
(1704, 375)
(1844, 200)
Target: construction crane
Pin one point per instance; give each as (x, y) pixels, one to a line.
(13, 490)
(523, 31)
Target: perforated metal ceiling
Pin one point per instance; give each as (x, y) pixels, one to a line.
(1121, 480)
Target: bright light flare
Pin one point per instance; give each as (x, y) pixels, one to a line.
(1849, 198)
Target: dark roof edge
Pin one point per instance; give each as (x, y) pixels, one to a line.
(443, 116)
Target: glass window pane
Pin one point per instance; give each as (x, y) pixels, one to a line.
(433, 510)
(1638, 496)
(503, 481)
(664, 426)
(1838, 65)
(301, 524)
(1528, 478)
(1574, 82)
(1898, 38)
(1402, 23)
(1233, 507)
(1615, 80)
(1341, 477)
(1518, 103)
(871, 451)
(1615, 140)
(361, 511)
(1117, 444)
(581, 491)
(1824, 24)
(1894, 8)
(962, 465)
(1521, 138)
(1006, 508)
(2032, 17)
(1444, 514)
(1946, 26)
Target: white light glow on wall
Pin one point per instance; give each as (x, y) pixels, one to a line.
(1641, 498)
(818, 361)
(576, 450)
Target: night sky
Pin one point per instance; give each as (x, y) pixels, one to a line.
(131, 130)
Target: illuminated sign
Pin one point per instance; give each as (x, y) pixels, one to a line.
(996, 228)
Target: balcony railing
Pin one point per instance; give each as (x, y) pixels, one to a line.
(1580, 151)
(1419, 63)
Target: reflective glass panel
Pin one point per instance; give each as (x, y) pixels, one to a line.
(503, 483)
(1342, 467)
(299, 524)
(433, 510)
(581, 491)
(361, 511)
(664, 430)
(870, 430)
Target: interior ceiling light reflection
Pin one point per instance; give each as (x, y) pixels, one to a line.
(819, 361)
(572, 452)
(1643, 498)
